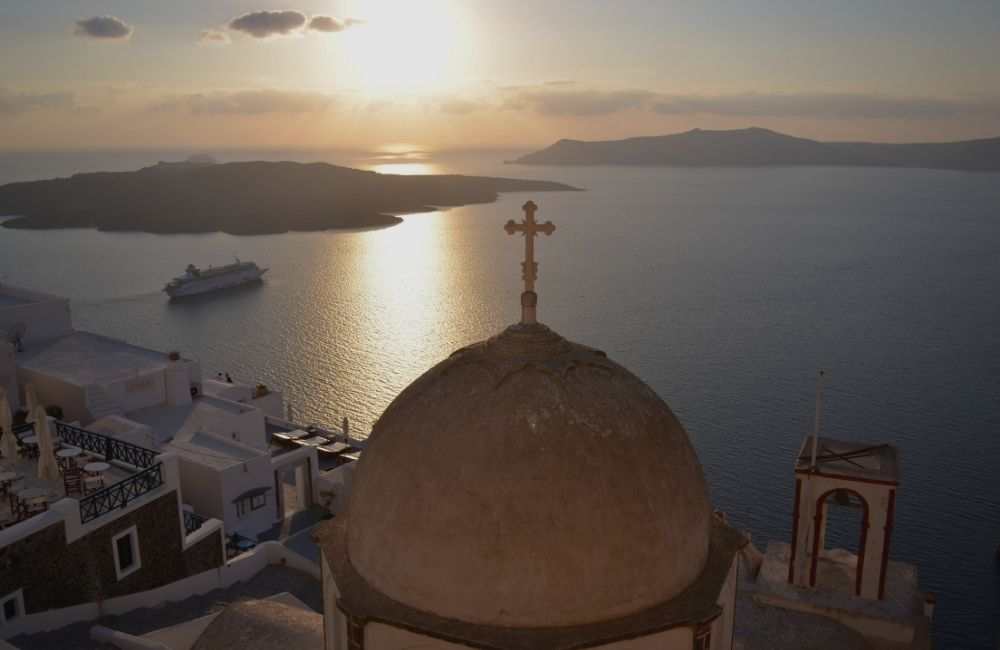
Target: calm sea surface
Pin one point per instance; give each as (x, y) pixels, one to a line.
(724, 289)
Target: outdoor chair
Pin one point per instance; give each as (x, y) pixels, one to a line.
(73, 480)
(92, 484)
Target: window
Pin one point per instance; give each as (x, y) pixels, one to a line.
(11, 607)
(248, 504)
(126, 550)
(703, 638)
(355, 633)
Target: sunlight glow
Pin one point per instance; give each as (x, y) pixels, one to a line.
(405, 168)
(417, 47)
(406, 267)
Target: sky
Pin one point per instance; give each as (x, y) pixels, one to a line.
(387, 75)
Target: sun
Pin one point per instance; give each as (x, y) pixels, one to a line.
(409, 47)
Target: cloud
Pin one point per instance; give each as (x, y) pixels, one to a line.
(554, 99)
(248, 102)
(12, 103)
(578, 103)
(825, 106)
(327, 24)
(214, 37)
(261, 24)
(330, 24)
(103, 27)
(460, 106)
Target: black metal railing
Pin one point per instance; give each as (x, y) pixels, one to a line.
(110, 448)
(23, 430)
(192, 522)
(120, 494)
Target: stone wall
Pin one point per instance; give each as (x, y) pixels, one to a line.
(54, 574)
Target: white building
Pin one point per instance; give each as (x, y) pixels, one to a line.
(217, 429)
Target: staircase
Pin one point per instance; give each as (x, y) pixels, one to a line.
(100, 404)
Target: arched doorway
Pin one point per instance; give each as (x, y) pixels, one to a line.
(839, 498)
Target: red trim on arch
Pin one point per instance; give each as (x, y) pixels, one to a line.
(795, 530)
(816, 534)
(863, 545)
(889, 514)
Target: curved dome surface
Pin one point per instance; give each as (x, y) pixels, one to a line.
(527, 481)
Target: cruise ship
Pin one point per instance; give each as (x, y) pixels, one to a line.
(196, 281)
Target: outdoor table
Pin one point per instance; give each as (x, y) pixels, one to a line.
(69, 452)
(32, 501)
(30, 440)
(96, 467)
(28, 494)
(6, 479)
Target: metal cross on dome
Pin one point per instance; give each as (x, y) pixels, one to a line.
(529, 267)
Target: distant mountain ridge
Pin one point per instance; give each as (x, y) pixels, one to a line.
(243, 197)
(762, 147)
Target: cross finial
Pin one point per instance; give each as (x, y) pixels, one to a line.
(529, 267)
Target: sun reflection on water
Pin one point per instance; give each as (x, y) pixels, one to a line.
(405, 278)
(406, 168)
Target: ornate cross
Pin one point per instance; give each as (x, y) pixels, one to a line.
(529, 267)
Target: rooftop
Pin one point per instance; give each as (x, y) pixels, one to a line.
(84, 358)
(212, 450)
(203, 414)
(268, 582)
(764, 627)
(835, 585)
(279, 621)
(862, 460)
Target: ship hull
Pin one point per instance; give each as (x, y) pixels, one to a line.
(207, 285)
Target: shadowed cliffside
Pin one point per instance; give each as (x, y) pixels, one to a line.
(242, 198)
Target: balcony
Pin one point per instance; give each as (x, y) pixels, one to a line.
(127, 472)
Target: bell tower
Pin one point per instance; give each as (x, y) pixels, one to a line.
(834, 473)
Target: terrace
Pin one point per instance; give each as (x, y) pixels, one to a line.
(102, 473)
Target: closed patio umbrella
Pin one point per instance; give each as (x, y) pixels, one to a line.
(30, 402)
(47, 467)
(8, 446)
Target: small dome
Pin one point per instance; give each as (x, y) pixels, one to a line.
(527, 481)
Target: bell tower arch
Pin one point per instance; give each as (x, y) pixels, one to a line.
(843, 474)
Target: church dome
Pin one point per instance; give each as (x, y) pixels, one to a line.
(527, 481)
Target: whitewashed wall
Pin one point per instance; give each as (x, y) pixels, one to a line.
(138, 391)
(235, 480)
(201, 488)
(54, 391)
